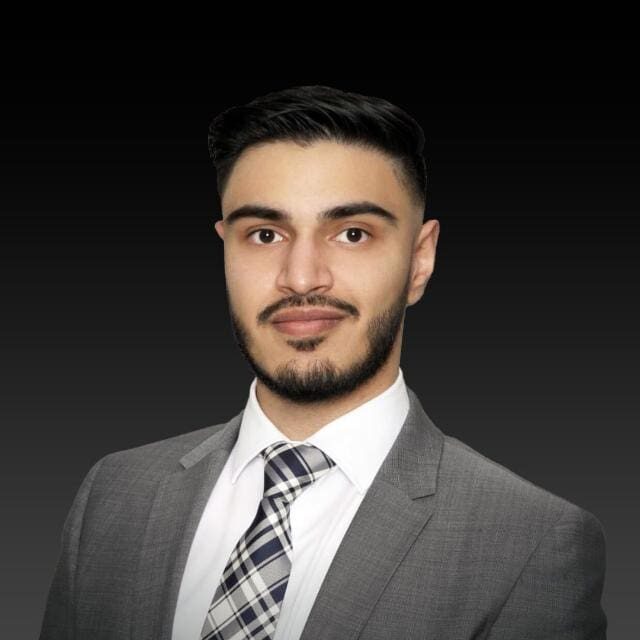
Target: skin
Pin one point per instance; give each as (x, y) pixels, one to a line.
(305, 382)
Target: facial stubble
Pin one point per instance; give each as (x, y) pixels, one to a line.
(322, 380)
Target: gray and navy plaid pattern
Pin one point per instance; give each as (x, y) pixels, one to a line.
(247, 601)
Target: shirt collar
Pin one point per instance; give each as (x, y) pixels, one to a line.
(357, 441)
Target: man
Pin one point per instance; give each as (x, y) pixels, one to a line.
(331, 506)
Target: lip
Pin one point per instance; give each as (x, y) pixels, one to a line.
(306, 327)
(298, 315)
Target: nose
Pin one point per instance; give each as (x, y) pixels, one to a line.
(304, 267)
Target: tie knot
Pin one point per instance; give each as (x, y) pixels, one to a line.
(289, 468)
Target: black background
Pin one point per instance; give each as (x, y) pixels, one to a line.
(114, 324)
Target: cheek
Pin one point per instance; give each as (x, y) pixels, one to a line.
(378, 278)
(248, 286)
(242, 271)
(370, 291)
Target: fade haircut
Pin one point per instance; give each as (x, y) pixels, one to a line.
(309, 113)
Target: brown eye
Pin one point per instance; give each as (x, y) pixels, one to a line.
(354, 236)
(264, 234)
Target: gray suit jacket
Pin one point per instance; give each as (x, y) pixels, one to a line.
(446, 544)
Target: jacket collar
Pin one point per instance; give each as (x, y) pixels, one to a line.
(396, 507)
(411, 465)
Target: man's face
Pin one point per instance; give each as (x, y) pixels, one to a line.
(361, 267)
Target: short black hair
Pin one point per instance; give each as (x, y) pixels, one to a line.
(308, 113)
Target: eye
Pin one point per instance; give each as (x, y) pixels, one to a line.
(272, 231)
(358, 229)
(265, 229)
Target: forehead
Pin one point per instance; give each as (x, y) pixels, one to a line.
(307, 179)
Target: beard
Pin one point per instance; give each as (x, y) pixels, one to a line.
(323, 380)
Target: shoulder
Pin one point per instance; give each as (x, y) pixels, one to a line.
(485, 491)
(152, 460)
(546, 554)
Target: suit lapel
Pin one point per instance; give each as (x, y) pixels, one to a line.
(178, 505)
(396, 507)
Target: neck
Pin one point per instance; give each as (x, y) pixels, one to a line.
(299, 421)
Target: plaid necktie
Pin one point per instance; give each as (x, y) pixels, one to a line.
(248, 599)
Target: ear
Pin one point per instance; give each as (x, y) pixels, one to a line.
(424, 257)
(220, 228)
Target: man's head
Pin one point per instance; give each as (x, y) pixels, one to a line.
(322, 195)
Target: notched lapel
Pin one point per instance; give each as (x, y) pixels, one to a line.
(174, 517)
(395, 509)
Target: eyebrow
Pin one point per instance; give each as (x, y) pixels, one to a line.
(334, 213)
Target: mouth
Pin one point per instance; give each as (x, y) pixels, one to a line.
(306, 327)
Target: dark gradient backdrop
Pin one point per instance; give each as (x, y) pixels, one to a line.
(115, 329)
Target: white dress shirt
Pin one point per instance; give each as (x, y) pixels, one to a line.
(358, 442)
